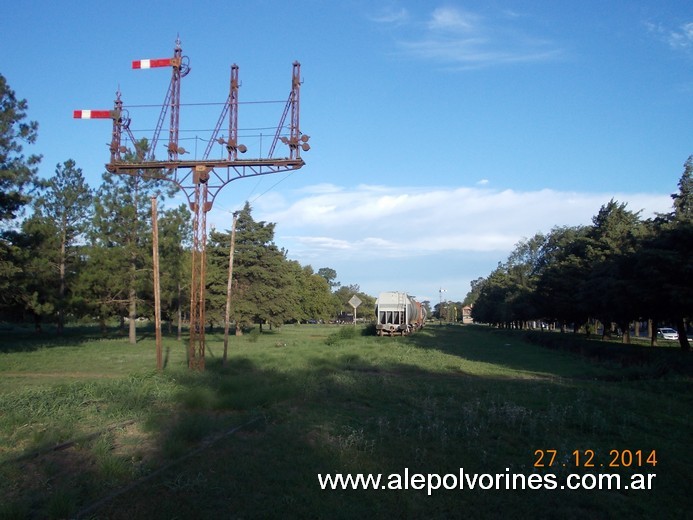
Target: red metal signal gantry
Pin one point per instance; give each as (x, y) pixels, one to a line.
(200, 179)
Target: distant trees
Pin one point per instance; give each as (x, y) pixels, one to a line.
(563, 267)
(344, 294)
(85, 254)
(473, 294)
(616, 271)
(330, 276)
(314, 297)
(268, 289)
(339, 304)
(665, 256)
(262, 291)
(88, 254)
(34, 286)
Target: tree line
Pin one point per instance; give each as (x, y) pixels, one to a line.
(72, 253)
(619, 272)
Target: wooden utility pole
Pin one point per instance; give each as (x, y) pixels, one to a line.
(228, 286)
(157, 288)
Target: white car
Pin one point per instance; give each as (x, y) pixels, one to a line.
(667, 333)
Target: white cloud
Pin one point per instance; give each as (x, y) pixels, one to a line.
(415, 239)
(680, 39)
(374, 221)
(323, 243)
(463, 39)
(683, 38)
(323, 187)
(450, 18)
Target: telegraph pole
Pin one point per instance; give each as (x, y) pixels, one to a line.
(440, 305)
(157, 288)
(228, 286)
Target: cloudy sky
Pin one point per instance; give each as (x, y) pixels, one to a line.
(442, 133)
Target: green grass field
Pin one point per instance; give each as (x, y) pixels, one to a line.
(89, 429)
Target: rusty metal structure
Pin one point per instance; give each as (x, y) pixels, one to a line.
(201, 179)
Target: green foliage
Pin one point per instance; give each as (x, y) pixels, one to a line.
(175, 237)
(254, 335)
(345, 293)
(683, 200)
(35, 285)
(84, 254)
(617, 271)
(344, 333)
(17, 178)
(122, 227)
(314, 297)
(473, 294)
(330, 276)
(17, 172)
(259, 274)
(267, 288)
(65, 206)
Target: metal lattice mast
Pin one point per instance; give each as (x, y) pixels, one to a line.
(294, 130)
(233, 147)
(297, 141)
(230, 108)
(179, 69)
(200, 207)
(176, 65)
(117, 123)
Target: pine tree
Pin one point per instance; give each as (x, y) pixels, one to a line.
(175, 230)
(17, 172)
(121, 225)
(264, 290)
(17, 176)
(66, 205)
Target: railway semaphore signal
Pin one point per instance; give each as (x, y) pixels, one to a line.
(201, 179)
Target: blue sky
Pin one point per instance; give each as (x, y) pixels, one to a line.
(442, 133)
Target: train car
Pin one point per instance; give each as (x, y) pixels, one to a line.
(397, 313)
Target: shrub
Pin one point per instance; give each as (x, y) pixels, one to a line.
(346, 332)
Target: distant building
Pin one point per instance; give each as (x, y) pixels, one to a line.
(467, 314)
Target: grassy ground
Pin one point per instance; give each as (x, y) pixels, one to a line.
(88, 428)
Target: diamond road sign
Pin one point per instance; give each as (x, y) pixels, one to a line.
(355, 301)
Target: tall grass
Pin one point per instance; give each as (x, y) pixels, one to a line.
(324, 400)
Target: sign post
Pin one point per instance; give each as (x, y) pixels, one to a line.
(355, 301)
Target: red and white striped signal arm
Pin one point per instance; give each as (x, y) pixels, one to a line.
(150, 64)
(92, 114)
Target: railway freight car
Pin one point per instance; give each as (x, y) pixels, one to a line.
(397, 313)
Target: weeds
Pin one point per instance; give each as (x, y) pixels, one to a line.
(344, 333)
